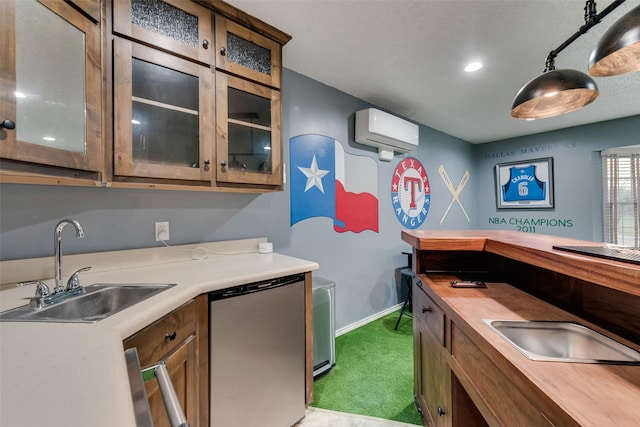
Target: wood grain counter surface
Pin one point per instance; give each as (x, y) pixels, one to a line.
(572, 393)
(533, 249)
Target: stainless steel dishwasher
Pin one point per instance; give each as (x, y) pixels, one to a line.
(257, 351)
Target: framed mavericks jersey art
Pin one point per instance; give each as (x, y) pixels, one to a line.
(527, 184)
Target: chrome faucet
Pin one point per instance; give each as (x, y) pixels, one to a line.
(44, 296)
(59, 287)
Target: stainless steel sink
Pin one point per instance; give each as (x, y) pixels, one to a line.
(99, 301)
(563, 342)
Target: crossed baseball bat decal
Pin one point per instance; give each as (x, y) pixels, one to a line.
(455, 192)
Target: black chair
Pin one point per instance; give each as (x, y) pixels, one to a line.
(406, 279)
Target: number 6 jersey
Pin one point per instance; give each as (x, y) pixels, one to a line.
(523, 185)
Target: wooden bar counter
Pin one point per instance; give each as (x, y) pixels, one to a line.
(466, 374)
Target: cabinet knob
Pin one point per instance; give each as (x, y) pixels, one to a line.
(205, 44)
(441, 411)
(223, 51)
(207, 162)
(170, 336)
(223, 163)
(7, 124)
(425, 309)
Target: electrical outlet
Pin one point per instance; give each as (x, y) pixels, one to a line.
(162, 231)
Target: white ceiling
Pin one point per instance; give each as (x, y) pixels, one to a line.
(407, 57)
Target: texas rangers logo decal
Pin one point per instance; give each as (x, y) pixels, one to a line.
(410, 193)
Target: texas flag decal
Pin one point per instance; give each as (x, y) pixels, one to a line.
(327, 182)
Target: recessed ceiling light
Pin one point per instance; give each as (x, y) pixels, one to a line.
(473, 66)
(135, 122)
(20, 95)
(49, 138)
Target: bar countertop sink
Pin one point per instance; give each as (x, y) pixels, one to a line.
(560, 341)
(98, 302)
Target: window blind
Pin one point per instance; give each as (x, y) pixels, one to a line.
(621, 196)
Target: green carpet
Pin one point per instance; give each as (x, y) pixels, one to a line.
(373, 374)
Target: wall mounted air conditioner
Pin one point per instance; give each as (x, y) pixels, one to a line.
(385, 131)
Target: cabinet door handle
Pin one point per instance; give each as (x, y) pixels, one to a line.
(425, 309)
(207, 162)
(223, 163)
(441, 411)
(170, 336)
(7, 124)
(205, 44)
(223, 51)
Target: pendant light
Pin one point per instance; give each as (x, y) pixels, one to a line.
(553, 93)
(618, 51)
(557, 92)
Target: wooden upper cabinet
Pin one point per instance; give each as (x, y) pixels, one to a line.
(90, 8)
(163, 113)
(161, 118)
(50, 99)
(246, 53)
(248, 137)
(181, 27)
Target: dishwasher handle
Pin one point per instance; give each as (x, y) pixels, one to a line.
(250, 288)
(171, 403)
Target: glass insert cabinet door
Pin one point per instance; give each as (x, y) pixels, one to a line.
(50, 102)
(248, 132)
(179, 26)
(246, 53)
(163, 111)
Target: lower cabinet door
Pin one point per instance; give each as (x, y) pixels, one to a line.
(434, 377)
(181, 365)
(432, 373)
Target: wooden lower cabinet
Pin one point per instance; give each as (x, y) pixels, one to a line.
(432, 384)
(180, 339)
(183, 373)
(464, 411)
(456, 384)
(443, 400)
(433, 391)
(499, 400)
(489, 381)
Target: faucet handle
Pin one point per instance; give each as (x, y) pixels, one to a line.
(42, 290)
(42, 293)
(74, 280)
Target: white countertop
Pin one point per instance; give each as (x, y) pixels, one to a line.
(71, 374)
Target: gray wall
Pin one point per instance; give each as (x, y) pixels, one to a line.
(577, 177)
(364, 265)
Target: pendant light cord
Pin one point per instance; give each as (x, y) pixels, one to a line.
(591, 19)
(556, 92)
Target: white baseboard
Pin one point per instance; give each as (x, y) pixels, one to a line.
(366, 320)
